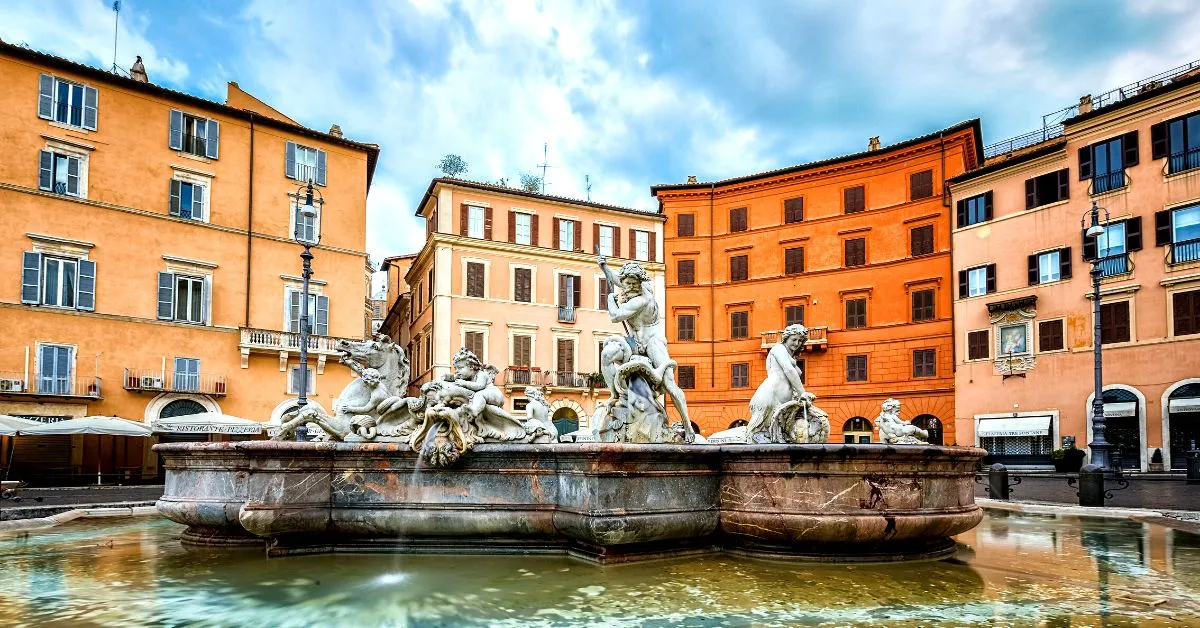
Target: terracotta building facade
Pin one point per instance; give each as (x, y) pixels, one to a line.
(857, 248)
(1023, 293)
(152, 258)
(512, 275)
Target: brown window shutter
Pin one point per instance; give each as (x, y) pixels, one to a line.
(566, 355)
(463, 217)
(533, 229)
(653, 246)
(991, 277)
(616, 241)
(562, 290)
(1158, 140)
(602, 297)
(512, 226)
(1162, 227)
(595, 237)
(578, 235)
(632, 243)
(577, 294)
(1133, 234)
(555, 238)
(1034, 275)
(1129, 143)
(962, 284)
(1064, 263)
(1030, 193)
(487, 223)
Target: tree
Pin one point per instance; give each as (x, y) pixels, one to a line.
(452, 165)
(531, 183)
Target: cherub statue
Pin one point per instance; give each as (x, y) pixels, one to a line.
(895, 431)
(614, 353)
(538, 426)
(363, 418)
(485, 402)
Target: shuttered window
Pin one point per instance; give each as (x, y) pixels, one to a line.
(522, 351)
(920, 240)
(685, 225)
(55, 368)
(200, 136)
(566, 359)
(854, 199)
(643, 245)
(1050, 335)
(976, 281)
(1178, 141)
(187, 200)
(318, 312)
(306, 228)
(737, 219)
(602, 295)
(66, 102)
(977, 345)
(920, 185)
(1185, 310)
(473, 341)
(974, 210)
(739, 325)
(474, 279)
(793, 315)
(856, 368)
(521, 228)
(569, 291)
(60, 173)
(304, 164)
(1114, 322)
(685, 327)
(856, 252)
(58, 282)
(685, 272)
(856, 313)
(1050, 266)
(1051, 187)
(1105, 162)
(793, 260)
(523, 285)
(923, 305)
(924, 363)
(686, 376)
(567, 234)
(739, 375)
(793, 210)
(739, 268)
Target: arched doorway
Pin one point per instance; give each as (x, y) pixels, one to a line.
(565, 420)
(738, 423)
(857, 430)
(1183, 417)
(179, 407)
(1122, 429)
(930, 424)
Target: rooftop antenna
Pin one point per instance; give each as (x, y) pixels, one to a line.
(116, 5)
(587, 181)
(545, 164)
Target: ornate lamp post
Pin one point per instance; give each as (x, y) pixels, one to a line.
(1099, 447)
(307, 210)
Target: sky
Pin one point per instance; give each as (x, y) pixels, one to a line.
(622, 93)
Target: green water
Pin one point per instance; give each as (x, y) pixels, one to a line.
(1011, 571)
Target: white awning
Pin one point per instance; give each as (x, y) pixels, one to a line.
(106, 425)
(1014, 426)
(1186, 404)
(10, 425)
(207, 423)
(1120, 408)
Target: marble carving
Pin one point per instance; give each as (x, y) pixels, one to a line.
(895, 431)
(781, 411)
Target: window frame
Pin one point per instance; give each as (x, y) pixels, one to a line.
(566, 227)
(847, 319)
(190, 378)
(912, 185)
(1062, 334)
(852, 370)
(1173, 319)
(293, 379)
(690, 275)
(1129, 313)
(680, 336)
(62, 263)
(517, 229)
(641, 245)
(735, 325)
(788, 310)
(860, 255)
(739, 219)
(790, 255)
(912, 240)
(1052, 259)
(299, 219)
(686, 376)
(62, 385)
(739, 263)
(972, 275)
(75, 89)
(736, 379)
(918, 366)
(690, 231)
(611, 232)
(987, 345)
(915, 308)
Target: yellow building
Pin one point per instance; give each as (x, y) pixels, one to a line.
(150, 243)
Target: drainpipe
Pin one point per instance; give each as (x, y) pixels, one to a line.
(953, 285)
(712, 292)
(249, 220)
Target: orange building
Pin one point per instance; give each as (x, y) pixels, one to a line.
(152, 260)
(857, 248)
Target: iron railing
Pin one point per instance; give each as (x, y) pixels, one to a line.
(1102, 183)
(817, 337)
(15, 383)
(566, 314)
(1025, 140)
(571, 379)
(522, 376)
(1112, 265)
(155, 380)
(1185, 251)
(1186, 160)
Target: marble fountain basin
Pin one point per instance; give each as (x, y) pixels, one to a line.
(604, 502)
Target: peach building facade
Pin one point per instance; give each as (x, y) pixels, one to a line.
(152, 262)
(1023, 308)
(857, 248)
(512, 275)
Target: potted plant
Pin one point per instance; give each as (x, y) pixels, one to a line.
(1156, 461)
(1067, 459)
(595, 380)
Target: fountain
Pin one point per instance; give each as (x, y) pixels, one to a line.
(450, 471)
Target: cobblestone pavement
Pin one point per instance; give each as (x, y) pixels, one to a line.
(1158, 492)
(61, 499)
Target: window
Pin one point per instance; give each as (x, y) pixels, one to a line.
(318, 312)
(803, 368)
(429, 280)
(307, 228)
(1113, 246)
(685, 227)
(56, 364)
(1112, 241)
(641, 246)
(686, 376)
(522, 228)
(856, 368)
(739, 325)
(187, 374)
(183, 298)
(793, 315)
(520, 404)
(1105, 162)
(975, 210)
(856, 251)
(602, 295)
(1185, 310)
(475, 279)
(1050, 335)
(856, 313)
(294, 380)
(522, 285)
(606, 236)
(793, 260)
(1048, 188)
(522, 354)
(924, 363)
(853, 199)
(475, 221)
(978, 347)
(473, 341)
(304, 164)
(187, 201)
(1179, 229)
(685, 327)
(198, 136)
(569, 291)
(685, 271)
(976, 281)
(737, 219)
(60, 173)
(1114, 322)
(793, 210)
(739, 375)
(566, 361)
(739, 268)
(66, 102)
(920, 240)
(857, 430)
(428, 352)
(923, 305)
(565, 232)
(920, 185)
(59, 282)
(1179, 141)
(1050, 266)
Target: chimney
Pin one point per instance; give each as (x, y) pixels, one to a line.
(138, 71)
(1085, 103)
(692, 179)
(873, 143)
(335, 130)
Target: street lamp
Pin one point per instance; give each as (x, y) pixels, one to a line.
(307, 210)
(1099, 447)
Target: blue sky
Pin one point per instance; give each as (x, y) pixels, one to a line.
(628, 92)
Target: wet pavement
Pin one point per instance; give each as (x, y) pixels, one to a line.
(1013, 570)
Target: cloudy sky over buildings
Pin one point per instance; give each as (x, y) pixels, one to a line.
(627, 93)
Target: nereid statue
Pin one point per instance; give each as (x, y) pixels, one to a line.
(895, 431)
(781, 411)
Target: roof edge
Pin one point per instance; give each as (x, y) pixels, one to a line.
(488, 187)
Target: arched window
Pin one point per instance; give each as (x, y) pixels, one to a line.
(1183, 415)
(181, 407)
(738, 423)
(857, 430)
(695, 428)
(565, 420)
(1122, 429)
(930, 424)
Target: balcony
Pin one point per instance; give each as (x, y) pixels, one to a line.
(285, 343)
(523, 376)
(156, 381)
(1180, 162)
(566, 314)
(1102, 183)
(572, 379)
(1185, 251)
(14, 384)
(1113, 265)
(817, 338)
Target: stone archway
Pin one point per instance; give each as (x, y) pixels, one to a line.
(576, 409)
(931, 424)
(1174, 453)
(857, 429)
(565, 419)
(156, 406)
(1141, 460)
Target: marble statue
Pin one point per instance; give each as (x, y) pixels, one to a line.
(781, 411)
(637, 368)
(538, 425)
(895, 431)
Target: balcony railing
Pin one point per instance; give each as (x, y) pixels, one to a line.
(572, 379)
(155, 380)
(1185, 251)
(1113, 265)
(1187, 160)
(15, 383)
(1102, 183)
(286, 341)
(817, 338)
(566, 314)
(523, 376)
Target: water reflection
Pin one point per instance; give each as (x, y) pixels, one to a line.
(1011, 570)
